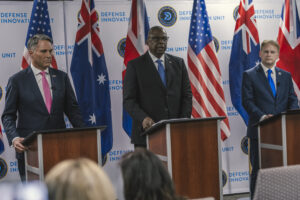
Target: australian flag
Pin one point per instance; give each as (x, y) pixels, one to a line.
(244, 53)
(90, 76)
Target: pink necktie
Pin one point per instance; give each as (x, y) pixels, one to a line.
(47, 92)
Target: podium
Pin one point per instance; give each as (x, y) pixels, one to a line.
(47, 148)
(278, 140)
(191, 151)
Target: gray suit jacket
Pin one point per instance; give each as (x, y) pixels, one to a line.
(25, 110)
(145, 95)
(257, 97)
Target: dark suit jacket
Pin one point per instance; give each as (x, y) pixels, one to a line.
(145, 95)
(257, 97)
(24, 104)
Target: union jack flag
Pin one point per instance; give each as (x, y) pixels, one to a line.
(39, 24)
(138, 28)
(90, 75)
(289, 40)
(244, 53)
(1, 142)
(204, 70)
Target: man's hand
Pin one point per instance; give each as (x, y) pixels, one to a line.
(17, 144)
(147, 123)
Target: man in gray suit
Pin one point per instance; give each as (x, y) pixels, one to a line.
(156, 87)
(37, 98)
(266, 91)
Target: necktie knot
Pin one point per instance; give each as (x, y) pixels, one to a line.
(269, 72)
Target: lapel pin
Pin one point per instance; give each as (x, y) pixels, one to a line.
(279, 73)
(53, 76)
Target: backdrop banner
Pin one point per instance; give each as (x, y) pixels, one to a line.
(113, 16)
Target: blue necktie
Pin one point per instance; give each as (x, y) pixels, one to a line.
(161, 71)
(271, 82)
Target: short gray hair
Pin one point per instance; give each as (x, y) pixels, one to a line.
(34, 40)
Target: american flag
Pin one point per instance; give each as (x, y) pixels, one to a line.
(204, 70)
(289, 40)
(39, 24)
(90, 75)
(138, 28)
(1, 141)
(244, 53)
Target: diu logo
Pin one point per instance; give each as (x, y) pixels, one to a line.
(167, 16)
(3, 168)
(217, 44)
(121, 47)
(235, 13)
(224, 178)
(244, 145)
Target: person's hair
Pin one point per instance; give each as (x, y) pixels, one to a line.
(34, 40)
(270, 42)
(80, 179)
(145, 177)
(156, 28)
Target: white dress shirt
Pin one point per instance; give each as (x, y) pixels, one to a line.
(154, 59)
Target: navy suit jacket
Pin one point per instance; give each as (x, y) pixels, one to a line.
(25, 110)
(258, 99)
(144, 93)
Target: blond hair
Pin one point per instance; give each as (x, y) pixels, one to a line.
(80, 179)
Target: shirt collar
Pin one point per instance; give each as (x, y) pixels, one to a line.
(37, 71)
(266, 68)
(154, 58)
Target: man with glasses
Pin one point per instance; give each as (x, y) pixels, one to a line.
(156, 87)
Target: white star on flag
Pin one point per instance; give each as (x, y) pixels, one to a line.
(92, 119)
(101, 78)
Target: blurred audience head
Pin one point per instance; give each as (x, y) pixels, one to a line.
(145, 177)
(80, 179)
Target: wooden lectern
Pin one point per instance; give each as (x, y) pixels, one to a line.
(191, 150)
(279, 139)
(47, 148)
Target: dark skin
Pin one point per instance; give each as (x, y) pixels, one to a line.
(41, 57)
(157, 42)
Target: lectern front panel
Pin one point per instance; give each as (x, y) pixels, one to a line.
(195, 152)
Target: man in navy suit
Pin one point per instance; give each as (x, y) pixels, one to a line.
(156, 87)
(266, 91)
(37, 98)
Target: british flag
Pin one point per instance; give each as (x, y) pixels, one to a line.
(39, 24)
(244, 53)
(90, 75)
(204, 70)
(289, 40)
(138, 28)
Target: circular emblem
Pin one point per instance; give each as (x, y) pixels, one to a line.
(217, 44)
(1, 93)
(121, 47)
(224, 178)
(244, 145)
(235, 13)
(167, 16)
(3, 168)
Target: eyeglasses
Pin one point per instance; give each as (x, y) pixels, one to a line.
(157, 39)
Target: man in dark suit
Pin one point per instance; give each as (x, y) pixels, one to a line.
(37, 98)
(156, 87)
(266, 91)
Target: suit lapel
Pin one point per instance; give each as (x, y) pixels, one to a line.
(279, 80)
(152, 68)
(262, 76)
(35, 88)
(54, 86)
